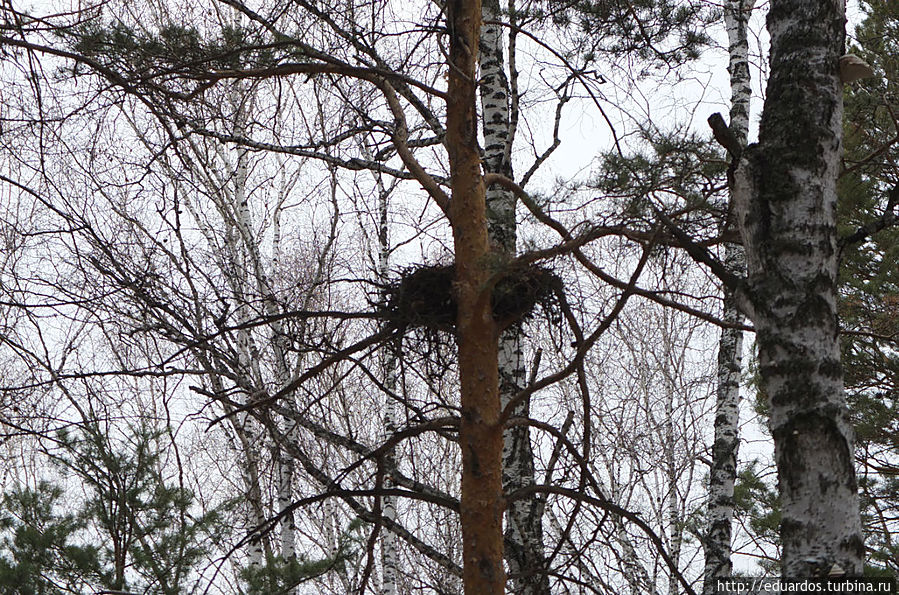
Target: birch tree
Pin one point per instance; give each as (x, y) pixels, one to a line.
(785, 199)
(717, 544)
(390, 368)
(524, 530)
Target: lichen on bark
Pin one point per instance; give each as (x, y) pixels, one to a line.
(785, 197)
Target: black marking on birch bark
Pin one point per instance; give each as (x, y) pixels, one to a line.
(788, 216)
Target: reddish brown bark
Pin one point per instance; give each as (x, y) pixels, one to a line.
(481, 436)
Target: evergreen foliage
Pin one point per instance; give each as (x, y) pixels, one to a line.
(278, 575)
(174, 57)
(133, 528)
(658, 33)
(39, 549)
(676, 170)
(869, 278)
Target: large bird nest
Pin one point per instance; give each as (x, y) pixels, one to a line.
(424, 296)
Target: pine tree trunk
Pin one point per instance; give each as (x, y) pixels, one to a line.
(722, 475)
(524, 530)
(785, 195)
(480, 433)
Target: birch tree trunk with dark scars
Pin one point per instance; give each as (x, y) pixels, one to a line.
(524, 530)
(785, 197)
(480, 431)
(390, 361)
(722, 475)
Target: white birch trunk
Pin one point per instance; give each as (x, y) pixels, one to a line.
(247, 352)
(722, 475)
(248, 278)
(785, 196)
(257, 277)
(257, 548)
(637, 578)
(389, 355)
(675, 522)
(222, 183)
(524, 531)
(286, 464)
